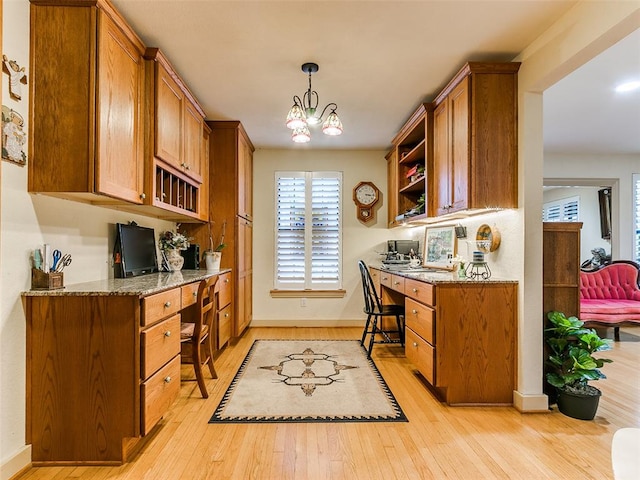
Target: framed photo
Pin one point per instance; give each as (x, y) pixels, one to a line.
(439, 247)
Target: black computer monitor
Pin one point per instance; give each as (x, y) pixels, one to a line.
(135, 251)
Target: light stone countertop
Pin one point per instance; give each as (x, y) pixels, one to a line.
(142, 285)
(440, 276)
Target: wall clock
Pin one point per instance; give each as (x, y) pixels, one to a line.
(365, 196)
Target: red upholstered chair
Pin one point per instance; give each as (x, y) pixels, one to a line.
(196, 338)
(610, 296)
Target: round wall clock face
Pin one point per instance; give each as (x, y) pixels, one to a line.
(366, 194)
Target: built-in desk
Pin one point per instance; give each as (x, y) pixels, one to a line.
(103, 362)
(460, 334)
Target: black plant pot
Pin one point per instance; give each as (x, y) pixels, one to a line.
(575, 405)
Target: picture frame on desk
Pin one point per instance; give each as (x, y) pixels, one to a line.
(439, 247)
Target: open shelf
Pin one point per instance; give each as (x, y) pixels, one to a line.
(415, 155)
(175, 191)
(416, 186)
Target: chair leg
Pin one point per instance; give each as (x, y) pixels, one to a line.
(209, 353)
(616, 334)
(197, 366)
(374, 329)
(400, 330)
(366, 330)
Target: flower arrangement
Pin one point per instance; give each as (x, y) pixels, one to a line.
(173, 241)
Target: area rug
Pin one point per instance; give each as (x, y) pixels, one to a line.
(308, 381)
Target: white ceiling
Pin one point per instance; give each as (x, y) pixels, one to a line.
(378, 59)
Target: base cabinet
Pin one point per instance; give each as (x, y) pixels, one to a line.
(461, 337)
(102, 370)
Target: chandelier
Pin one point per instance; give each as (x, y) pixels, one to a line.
(304, 113)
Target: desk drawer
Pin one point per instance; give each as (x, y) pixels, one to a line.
(385, 279)
(421, 319)
(224, 326)
(421, 354)
(421, 291)
(224, 290)
(160, 344)
(189, 294)
(161, 305)
(158, 393)
(397, 283)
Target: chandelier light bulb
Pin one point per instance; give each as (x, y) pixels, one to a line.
(332, 125)
(301, 135)
(296, 117)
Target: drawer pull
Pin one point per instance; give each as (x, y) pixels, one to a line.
(414, 311)
(396, 283)
(167, 304)
(385, 278)
(195, 294)
(415, 344)
(226, 280)
(167, 379)
(226, 315)
(167, 333)
(414, 290)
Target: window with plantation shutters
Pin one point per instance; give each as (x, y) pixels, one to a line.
(308, 231)
(636, 216)
(564, 210)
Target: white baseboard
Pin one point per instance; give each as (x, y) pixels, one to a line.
(531, 403)
(307, 323)
(16, 463)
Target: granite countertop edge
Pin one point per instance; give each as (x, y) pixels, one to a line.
(143, 285)
(443, 276)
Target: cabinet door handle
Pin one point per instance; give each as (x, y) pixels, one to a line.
(167, 304)
(143, 196)
(226, 315)
(195, 294)
(414, 290)
(226, 280)
(167, 333)
(167, 379)
(415, 344)
(414, 311)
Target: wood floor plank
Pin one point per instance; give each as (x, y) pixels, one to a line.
(437, 442)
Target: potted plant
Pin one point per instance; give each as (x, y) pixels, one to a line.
(213, 255)
(571, 364)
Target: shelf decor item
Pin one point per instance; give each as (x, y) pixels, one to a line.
(487, 238)
(171, 243)
(439, 247)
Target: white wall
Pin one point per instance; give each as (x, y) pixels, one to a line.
(28, 221)
(589, 215)
(360, 241)
(618, 173)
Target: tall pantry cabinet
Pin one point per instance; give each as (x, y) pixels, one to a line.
(231, 194)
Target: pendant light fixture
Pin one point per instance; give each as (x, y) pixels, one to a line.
(304, 113)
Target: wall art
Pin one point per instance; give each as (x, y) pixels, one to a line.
(13, 136)
(17, 77)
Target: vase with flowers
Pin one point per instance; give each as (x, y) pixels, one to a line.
(171, 243)
(213, 255)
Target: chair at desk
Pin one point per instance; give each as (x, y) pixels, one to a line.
(196, 337)
(375, 311)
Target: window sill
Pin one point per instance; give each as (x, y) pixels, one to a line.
(308, 293)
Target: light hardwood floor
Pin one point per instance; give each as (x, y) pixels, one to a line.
(437, 442)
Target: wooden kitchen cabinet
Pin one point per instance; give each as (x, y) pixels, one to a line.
(175, 130)
(86, 96)
(103, 365)
(475, 162)
(461, 335)
(408, 179)
(231, 205)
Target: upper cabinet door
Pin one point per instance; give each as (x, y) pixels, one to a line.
(459, 131)
(119, 162)
(193, 125)
(169, 112)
